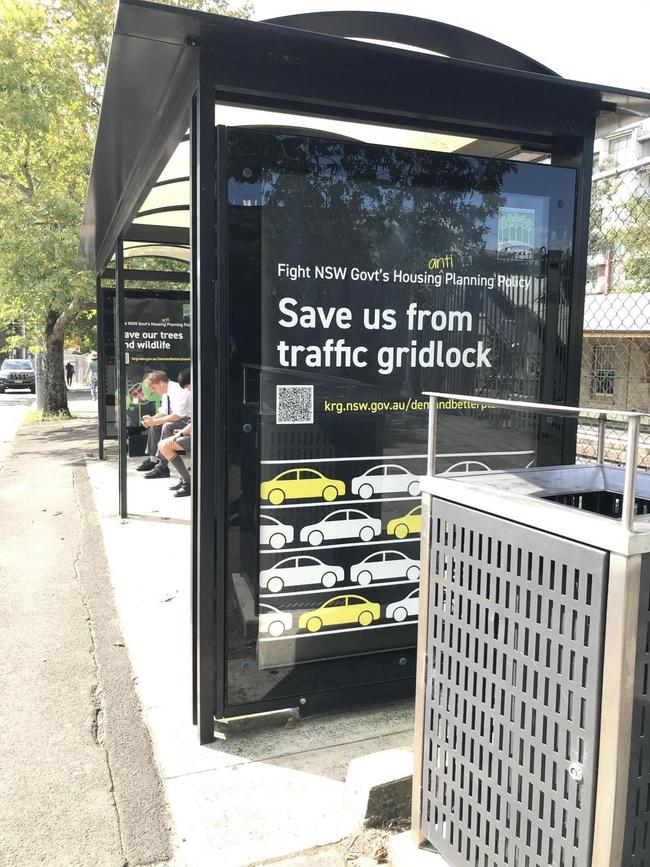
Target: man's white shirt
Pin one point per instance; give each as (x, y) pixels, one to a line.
(180, 400)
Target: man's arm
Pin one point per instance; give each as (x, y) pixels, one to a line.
(159, 419)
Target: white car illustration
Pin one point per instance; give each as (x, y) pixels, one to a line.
(299, 572)
(342, 524)
(386, 479)
(274, 533)
(467, 467)
(406, 607)
(274, 622)
(384, 564)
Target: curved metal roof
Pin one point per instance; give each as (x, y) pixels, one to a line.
(139, 185)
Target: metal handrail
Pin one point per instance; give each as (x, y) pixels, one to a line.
(633, 430)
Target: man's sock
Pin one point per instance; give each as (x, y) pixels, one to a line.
(181, 469)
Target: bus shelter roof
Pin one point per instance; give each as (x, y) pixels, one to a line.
(440, 88)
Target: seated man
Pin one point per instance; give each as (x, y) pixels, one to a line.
(176, 406)
(170, 449)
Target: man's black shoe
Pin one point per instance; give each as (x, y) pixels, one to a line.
(179, 484)
(158, 473)
(146, 465)
(184, 491)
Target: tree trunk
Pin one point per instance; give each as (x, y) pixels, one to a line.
(55, 397)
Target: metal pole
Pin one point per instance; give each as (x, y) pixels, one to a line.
(38, 380)
(422, 660)
(209, 486)
(602, 425)
(422, 664)
(196, 457)
(431, 436)
(629, 483)
(100, 302)
(121, 376)
(577, 153)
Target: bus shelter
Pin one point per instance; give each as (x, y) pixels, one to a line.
(375, 206)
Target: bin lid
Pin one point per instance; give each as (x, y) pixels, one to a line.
(524, 496)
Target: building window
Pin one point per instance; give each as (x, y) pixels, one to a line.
(618, 149)
(603, 373)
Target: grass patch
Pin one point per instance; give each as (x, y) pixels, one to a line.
(35, 416)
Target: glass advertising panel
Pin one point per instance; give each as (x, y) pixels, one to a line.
(359, 277)
(156, 337)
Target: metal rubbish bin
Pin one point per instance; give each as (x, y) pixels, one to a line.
(532, 715)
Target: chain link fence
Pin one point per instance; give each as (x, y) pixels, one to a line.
(616, 350)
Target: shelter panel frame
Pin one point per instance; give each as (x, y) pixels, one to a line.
(245, 683)
(210, 643)
(106, 344)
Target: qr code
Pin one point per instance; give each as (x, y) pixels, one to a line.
(294, 404)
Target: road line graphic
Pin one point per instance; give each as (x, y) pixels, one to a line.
(351, 629)
(312, 549)
(387, 457)
(342, 589)
(341, 503)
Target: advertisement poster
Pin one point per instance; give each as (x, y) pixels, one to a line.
(377, 274)
(156, 337)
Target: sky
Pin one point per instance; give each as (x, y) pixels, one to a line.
(603, 41)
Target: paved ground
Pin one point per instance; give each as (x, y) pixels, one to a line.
(91, 642)
(79, 785)
(13, 407)
(252, 796)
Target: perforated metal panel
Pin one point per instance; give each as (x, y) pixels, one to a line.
(514, 666)
(636, 846)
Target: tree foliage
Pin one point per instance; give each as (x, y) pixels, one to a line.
(619, 229)
(53, 58)
(635, 239)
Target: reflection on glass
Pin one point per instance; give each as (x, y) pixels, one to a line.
(360, 277)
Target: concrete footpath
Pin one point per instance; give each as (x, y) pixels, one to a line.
(100, 762)
(78, 782)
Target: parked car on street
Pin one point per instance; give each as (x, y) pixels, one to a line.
(17, 373)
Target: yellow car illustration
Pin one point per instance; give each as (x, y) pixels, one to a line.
(409, 523)
(301, 484)
(339, 610)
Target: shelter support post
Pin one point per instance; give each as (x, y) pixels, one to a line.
(100, 301)
(577, 153)
(121, 376)
(209, 472)
(194, 563)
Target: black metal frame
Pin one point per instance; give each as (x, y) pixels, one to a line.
(120, 366)
(295, 71)
(101, 367)
(205, 351)
(211, 584)
(120, 276)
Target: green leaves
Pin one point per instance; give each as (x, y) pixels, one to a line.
(51, 61)
(53, 56)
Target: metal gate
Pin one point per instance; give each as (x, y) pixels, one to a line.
(512, 692)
